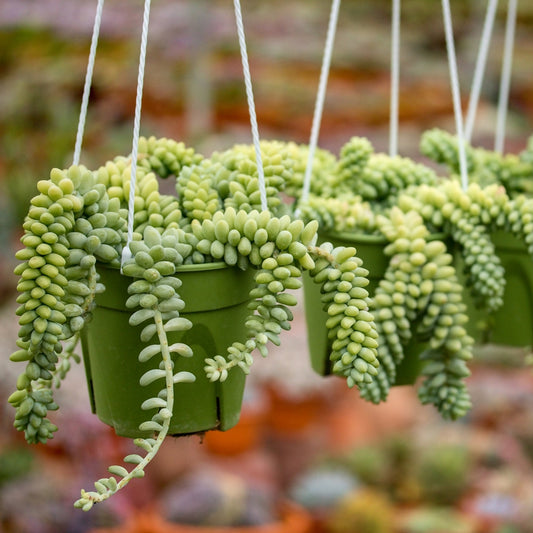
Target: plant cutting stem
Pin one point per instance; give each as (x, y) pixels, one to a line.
(169, 385)
(319, 252)
(89, 498)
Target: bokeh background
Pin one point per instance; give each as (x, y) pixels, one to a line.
(396, 462)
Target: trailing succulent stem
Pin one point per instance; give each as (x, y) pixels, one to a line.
(350, 325)
(76, 325)
(79, 218)
(469, 217)
(377, 178)
(420, 297)
(71, 224)
(154, 296)
(151, 208)
(279, 248)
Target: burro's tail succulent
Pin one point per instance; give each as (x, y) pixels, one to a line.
(155, 304)
(70, 225)
(420, 296)
(279, 249)
(78, 220)
(485, 167)
(377, 178)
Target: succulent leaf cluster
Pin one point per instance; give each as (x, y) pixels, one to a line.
(322, 169)
(345, 212)
(165, 157)
(377, 178)
(70, 225)
(519, 220)
(279, 249)
(155, 304)
(468, 217)
(239, 186)
(79, 219)
(420, 297)
(484, 166)
(350, 325)
(151, 208)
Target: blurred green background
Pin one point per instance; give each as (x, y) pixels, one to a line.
(194, 92)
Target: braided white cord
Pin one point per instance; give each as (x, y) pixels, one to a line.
(88, 81)
(395, 78)
(454, 81)
(126, 253)
(480, 68)
(321, 96)
(251, 104)
(505, 80)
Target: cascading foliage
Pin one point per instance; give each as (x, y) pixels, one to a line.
(374, 194)
(376, 178)
(350, 325)
(485, 167)
(420, 297)
(70, 225)
(79, 219)
(468, 217)
(155, 304)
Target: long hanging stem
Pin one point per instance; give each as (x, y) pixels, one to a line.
(109, 486)
(68, 353)
(169, 386)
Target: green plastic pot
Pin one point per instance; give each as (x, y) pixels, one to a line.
(216, 298)
(370, 248)
(512, 324)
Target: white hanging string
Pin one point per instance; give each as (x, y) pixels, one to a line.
(505, 80)
(321, 96)
(479, 70)
(251, 104)
(126, 253)
(88, 81)
(456, 93)
(395, 79)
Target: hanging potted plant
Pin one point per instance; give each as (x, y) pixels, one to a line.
(357, 207)
(75, 234)
(359, 186)
(498, 324)
(465, 218)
